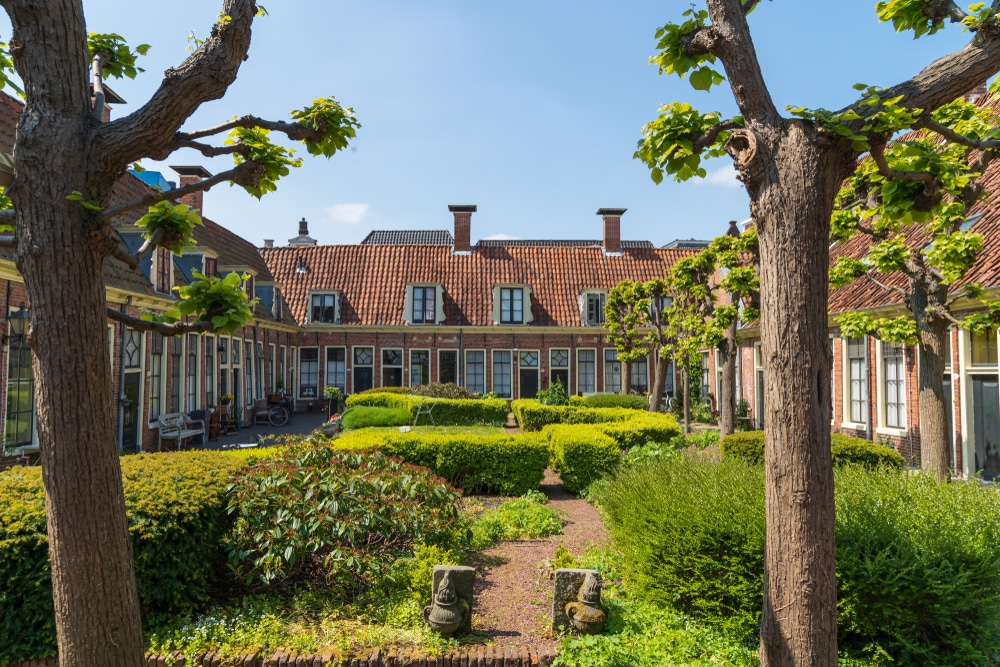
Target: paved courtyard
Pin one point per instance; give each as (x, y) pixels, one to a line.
(301, 423)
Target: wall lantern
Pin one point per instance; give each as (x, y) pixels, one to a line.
(18, 322)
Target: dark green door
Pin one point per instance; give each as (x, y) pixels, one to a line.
(986, 408)
(529, 382)
(130, 413)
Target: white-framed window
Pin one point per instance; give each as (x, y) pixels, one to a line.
(250, 371)
(156, 376)
(511, 305)
(424, 308)
(223, 349)
(640, 376)
(210, 370)
(176, 365)
(706, 376)
(856, 367)
(612, 371)
(392, 367)
(308, 372)
(191, 374)
(282, 355)
(718, 377)
(271, 364)
(363, 367)
(448, 366)
(420, 367)
(475, 371)
(658, 305)
(593, 307)
(163, 270)
(559, 366)
(983, 350)
(586, 371)
(19, 419)
(893, 386)
(324, 308)
(336, 368)
(502, 375)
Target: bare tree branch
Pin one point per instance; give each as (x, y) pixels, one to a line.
(150, 244)
(713, 132)
(115, 250)
(928, 123)
(293, 131)
(748, 6)
(159, 327)
(246, 173)
(890, 288)
(734, 46)
(878, 155)
(212, 151)
(205, 75)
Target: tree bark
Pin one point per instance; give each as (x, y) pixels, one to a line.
(727, 401)
(935, 446)
(626, 377)
(686, 381)
(792, 201)
(659, 381)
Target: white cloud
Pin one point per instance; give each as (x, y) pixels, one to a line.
(348, 214)
(501, 237)
(723, 176)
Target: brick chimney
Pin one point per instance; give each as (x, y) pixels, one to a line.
(976, 93)
(189, 176)
(463, 226)
(612, 228)
(268, 243)
(303, 239)
(734, 229)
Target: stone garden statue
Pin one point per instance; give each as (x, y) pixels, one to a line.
(447, 611)
(576, 602)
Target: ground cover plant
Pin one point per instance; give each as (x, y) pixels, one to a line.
(918, 563)
(177, 520)
(524, 518)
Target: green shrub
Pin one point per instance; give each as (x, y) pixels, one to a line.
(524, 518)
(555, 394)
(442, 390)
(510, 465)
(749, 446)
(343, 516)
(918, 563)
(363, 416)
(177, 518)
(641, 428)
(630, 428)
(383, 390)
(489, 411)
(581, 454)
(630, 401)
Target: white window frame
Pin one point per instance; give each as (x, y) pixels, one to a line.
(516, 369)
(608, 365)
(848, 422)
(882, 389)
(585, 297)
(458, 365)
(510, 370)
(326, 368)
(568, 367)
(465, 369)
(579, 374)
(301, 394)
(188, 374)
(210, 341)
(427, 378)
(409, 314)
(336, 306)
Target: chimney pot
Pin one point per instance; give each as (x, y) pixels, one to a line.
(189, 176)
(734, 229)
(303, 227)
(268, 243)
(612, 228)
(463, 226)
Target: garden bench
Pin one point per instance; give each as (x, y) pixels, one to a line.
(425, 407)
(178, 426)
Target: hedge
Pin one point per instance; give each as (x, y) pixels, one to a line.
(630, 401)
(363, 416)
(749, 446)
(630, 428)
(918, 562)
(177, 518)
(504, 464)
(446, 411)
(580, 454)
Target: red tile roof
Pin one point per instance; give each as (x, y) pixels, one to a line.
(373, 278)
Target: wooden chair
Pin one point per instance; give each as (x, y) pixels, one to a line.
(227, 425)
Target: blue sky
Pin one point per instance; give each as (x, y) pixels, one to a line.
(531, 110)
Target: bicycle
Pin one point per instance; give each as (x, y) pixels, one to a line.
(281, 412)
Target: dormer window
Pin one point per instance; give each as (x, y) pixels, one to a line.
(248, 287)
(323, 308)
(423, 304)
(658, 305)
(211, 266)
(592, 308)
(511, 304)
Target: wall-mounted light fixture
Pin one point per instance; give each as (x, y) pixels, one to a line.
(302, 268)
(18, 322)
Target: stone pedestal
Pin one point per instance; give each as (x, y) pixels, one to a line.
(462, 579)
(568, 583)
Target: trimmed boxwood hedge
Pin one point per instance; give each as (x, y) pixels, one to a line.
(177, 518)
(630, 428)
(510, 465)
(749, 446)
(580, 454)
(446, 411)
(630, 401)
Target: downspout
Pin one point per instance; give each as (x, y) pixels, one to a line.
(461, 356)
(123, 400)
(258, 379)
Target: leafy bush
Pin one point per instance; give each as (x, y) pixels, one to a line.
(383, 390)
(177, 518)
(749, 446)
(641, 428)
(555, 394)
(630, 428)
(442, 390)
(630, 401)
(490, 411)
(918, 563)
(523, 518)
(363, 417)
(506, 464)
(341, 516)
(581, 454)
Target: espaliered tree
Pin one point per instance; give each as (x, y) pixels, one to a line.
(792, 167)
(625, 312)
(910, 201)
(66, 162)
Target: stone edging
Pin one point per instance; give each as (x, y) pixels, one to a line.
(472, 656)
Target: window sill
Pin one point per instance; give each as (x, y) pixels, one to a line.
(887, 430)
(853, 426)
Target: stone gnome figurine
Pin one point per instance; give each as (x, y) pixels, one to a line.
(447, 611)
(585, 614)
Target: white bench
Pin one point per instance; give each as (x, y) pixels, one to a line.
(178, 426)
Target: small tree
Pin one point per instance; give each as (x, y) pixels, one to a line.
(625, 313)
(910, 200)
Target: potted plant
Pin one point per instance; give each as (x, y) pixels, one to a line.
(226, 399)
(333, 399)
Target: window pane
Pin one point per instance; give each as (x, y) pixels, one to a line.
(612, 372)
(420, 367)
(475, 371)
(501, 373)
(586, 379)
(560, 358)
(364, 356)
(448, 372)
(336, 368)
(309, 372)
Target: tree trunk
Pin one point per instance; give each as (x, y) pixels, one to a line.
(686, 380)
(792, 201)
(626, 377)
(659, 381)
(727, 401)
(60, 257)
(935, 446)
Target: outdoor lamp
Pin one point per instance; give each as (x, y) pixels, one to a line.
(18, 322)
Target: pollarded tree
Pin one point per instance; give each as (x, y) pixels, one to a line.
(625, 313)
(910, 201)
(66, 162)
(792, 168)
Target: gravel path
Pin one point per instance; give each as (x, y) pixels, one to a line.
(513, 597)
